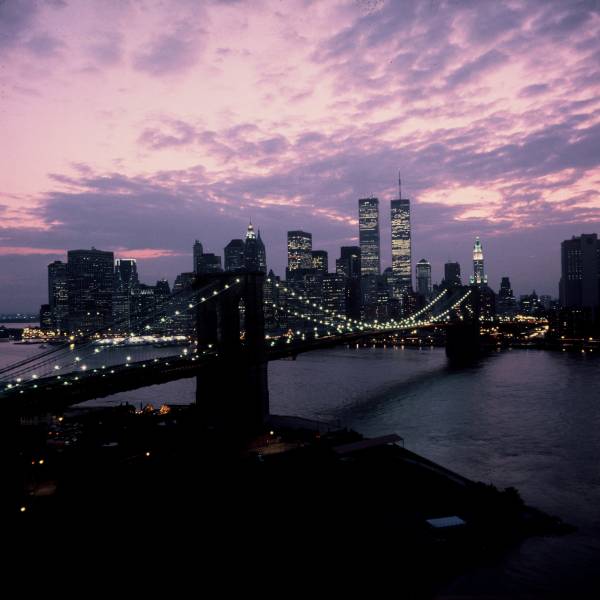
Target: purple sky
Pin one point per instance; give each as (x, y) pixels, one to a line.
(140, 126)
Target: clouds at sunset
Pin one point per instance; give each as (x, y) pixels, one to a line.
(145, 125)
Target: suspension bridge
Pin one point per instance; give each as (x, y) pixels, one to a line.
(228, 353)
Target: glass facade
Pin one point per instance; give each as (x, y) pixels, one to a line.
(368, 230)
(401, 247)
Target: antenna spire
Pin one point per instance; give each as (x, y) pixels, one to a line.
(399, 186)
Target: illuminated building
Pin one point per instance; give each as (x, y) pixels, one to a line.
(423, 273)
(580, 272)
(368, 230)
(299, 244)
(334, 292)
(479, 277)
(58, 297)
(401, 247)
(90, 284)
(320, 261)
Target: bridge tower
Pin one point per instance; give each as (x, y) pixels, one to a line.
(463, 339)
(234, 392)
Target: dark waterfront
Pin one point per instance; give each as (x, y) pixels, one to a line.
(528, 419)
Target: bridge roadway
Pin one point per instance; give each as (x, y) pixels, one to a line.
(57, 392)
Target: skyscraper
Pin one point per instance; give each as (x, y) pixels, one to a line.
(58, 297)
(90, 284)
(479, 277)
(401, 244)
(198, 252)
(348, 263)
(580, 272)
(368, 232)
(506, 299)
(234, 255)
(452, 274)
(255, 258)
(126, 275)
(320, 261)
(299, 245)
(423, 272)
(126, 285)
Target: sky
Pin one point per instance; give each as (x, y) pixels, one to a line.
(140, 126)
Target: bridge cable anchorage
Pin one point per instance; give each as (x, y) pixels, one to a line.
(34, 363)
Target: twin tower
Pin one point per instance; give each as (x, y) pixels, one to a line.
(370, 246)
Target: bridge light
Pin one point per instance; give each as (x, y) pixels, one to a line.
(128, 358)
(34, 376)
(215, 292)
(83, 367)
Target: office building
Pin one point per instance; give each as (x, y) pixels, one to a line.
(255, 257)
(299, 245)
(320, 261)
(423, 274)
(90, 285)
(58, 297)
(234, 255)
(580, 272)
(452, 274)
(368, 231)
(401, 245)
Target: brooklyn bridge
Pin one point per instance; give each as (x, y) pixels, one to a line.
(228, 355)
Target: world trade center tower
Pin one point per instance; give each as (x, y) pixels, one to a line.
(368, 231)
(401, 247)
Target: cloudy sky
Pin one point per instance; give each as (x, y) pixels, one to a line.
(139, 126)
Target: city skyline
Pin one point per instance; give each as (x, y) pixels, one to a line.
(187, 122)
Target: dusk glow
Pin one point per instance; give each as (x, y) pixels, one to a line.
(138, 127)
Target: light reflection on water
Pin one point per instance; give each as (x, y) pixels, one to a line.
(520, 418)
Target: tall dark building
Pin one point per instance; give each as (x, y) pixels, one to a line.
(299, 245)
(348, 263)
(234, 255)
(58, 296)
(198, 252)
(255, 258)
(368, 233)
(452, 274)
(580, 272)
(401, 244)
(320, 261)
(126, 275)
(423, 273)
(126, 284)
(90, 284)
(210, 263)
(506, 300)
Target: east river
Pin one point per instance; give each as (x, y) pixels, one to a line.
(523, 418)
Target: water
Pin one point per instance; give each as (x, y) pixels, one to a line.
(522, 418)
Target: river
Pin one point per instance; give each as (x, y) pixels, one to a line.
(523, 418)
